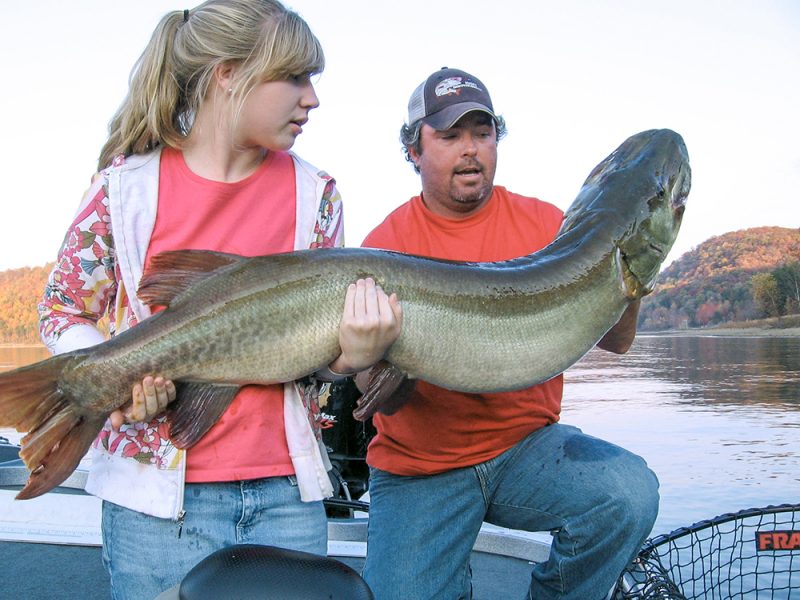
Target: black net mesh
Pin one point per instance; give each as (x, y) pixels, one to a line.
(751, 554)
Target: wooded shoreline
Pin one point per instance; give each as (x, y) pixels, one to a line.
(788, 326)
(726, 332)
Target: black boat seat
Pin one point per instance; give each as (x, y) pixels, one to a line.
(255, 572)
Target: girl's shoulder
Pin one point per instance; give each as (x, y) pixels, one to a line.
(122, 163)
(309, 169)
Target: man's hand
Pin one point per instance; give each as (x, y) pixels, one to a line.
(148, 399)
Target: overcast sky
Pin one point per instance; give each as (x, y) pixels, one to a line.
(573, 78)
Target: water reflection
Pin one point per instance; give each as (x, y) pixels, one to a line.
(704, 369)
(12, 357)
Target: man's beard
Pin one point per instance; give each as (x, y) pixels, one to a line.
(473, 196)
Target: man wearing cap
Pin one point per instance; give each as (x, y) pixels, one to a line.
(448, 461)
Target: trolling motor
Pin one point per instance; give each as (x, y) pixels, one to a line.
(253, 572)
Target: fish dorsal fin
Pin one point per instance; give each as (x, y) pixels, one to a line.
(195, 410)
(171, 273)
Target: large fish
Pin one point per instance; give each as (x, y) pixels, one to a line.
(474, 327)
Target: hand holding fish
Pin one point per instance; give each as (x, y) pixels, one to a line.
(371, 322)
(148, 399)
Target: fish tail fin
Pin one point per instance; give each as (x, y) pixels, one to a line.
(58, 433)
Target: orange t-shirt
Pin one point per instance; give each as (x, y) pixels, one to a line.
(250, 217)
(440, 429)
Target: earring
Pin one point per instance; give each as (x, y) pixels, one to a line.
(230, 90)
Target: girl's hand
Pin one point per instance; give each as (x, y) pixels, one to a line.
(371, 322)
(148, 399)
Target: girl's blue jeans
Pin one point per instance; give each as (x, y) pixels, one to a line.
(146, 555)
(599, 500)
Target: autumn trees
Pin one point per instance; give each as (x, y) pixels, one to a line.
(777, 293)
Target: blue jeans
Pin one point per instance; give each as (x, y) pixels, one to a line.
(599, 500)
(146, 555)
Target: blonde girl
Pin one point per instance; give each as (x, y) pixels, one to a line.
(198, 156)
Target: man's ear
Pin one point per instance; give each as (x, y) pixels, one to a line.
(414, 155)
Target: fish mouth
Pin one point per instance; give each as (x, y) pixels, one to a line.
(638, 266)
(631, 285)
(657, 249)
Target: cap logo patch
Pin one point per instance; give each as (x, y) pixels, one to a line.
(453, 85)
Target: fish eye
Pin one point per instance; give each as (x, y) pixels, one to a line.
(657, 198)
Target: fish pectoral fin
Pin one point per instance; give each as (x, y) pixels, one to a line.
(387, 392)
(195, 410)
(171, 273)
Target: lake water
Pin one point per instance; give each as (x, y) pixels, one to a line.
(717, 418)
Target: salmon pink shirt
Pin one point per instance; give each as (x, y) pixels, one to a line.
(250, 217)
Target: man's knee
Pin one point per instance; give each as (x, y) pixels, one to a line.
(639, 499)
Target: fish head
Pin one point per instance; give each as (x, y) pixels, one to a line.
(664, 180)
(639, 194)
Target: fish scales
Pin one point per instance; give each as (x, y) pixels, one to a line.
(473, 327)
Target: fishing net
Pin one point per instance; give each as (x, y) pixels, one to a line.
(752, 554)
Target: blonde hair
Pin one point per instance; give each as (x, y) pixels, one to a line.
(263, 39)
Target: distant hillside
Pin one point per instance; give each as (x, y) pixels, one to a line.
(756, 249)
(713, 283)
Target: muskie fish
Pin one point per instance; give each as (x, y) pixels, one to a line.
(473, 327)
